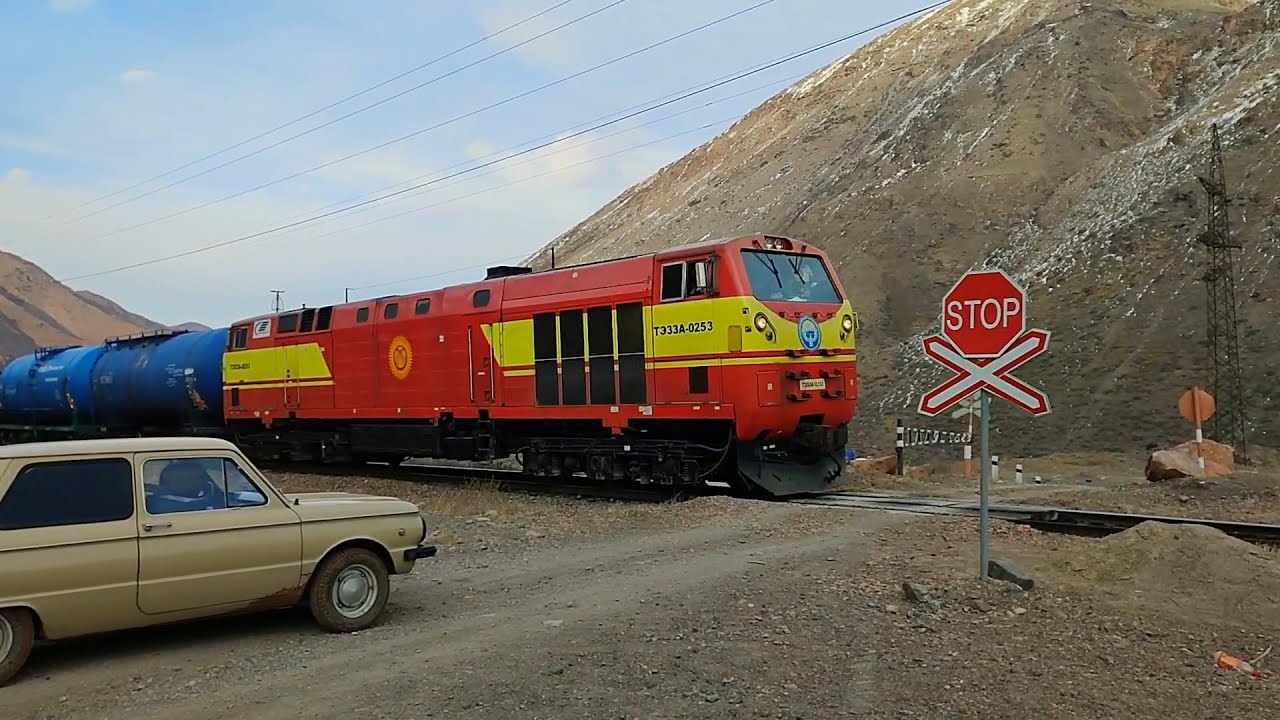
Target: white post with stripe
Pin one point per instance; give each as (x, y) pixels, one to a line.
(1017, 474)
(1200, 444)
(995, 468)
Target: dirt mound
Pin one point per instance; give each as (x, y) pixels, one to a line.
(1187, 567)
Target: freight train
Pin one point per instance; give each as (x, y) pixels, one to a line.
(727, 362)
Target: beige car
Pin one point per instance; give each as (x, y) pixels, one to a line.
(103, 535)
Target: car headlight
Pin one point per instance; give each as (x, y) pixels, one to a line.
(761, 322)
(847, 323)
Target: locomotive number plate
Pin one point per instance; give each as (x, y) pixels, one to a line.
(813, 384)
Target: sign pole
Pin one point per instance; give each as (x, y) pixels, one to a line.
(984, 489)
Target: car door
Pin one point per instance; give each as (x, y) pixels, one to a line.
(210, 535)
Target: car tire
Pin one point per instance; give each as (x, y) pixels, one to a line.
(17, 637)
(349, 591)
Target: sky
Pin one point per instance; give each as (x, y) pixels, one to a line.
(102, 96)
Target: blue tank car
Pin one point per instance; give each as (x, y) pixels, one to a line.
(161, 381)
(49, 387)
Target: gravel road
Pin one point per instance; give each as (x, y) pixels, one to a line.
(714, 608)
(721, 621)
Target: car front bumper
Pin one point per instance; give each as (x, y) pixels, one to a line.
(422, 551)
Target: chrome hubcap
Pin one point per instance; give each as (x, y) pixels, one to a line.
(6, 637)
(354, 591)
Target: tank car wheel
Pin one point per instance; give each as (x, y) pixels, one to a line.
(349, 591)
(17, 637)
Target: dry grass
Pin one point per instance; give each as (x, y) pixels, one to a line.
(482, 515)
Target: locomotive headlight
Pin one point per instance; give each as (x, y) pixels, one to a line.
(847, 323)
(761, 322)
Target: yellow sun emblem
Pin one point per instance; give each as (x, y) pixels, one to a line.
(400, 357)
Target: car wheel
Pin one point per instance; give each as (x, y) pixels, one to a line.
(17, 637)
(349, 591)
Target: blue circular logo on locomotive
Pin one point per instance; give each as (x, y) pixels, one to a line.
(809, 332)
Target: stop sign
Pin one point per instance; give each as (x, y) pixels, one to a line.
(983, 313)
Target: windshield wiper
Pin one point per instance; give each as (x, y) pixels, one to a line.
(771, 267)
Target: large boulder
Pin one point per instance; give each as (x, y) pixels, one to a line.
(1181, 461)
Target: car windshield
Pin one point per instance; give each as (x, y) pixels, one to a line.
(789, 277)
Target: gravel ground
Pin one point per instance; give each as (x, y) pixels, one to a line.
(1110, 647)
(713, 608)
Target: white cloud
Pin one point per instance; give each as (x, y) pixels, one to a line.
(29, 145)
(133, 76)
(17, 175)
(68, 5)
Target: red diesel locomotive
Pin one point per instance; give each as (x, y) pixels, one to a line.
(724, 362)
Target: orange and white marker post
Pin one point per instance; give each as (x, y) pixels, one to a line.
(1196, 406)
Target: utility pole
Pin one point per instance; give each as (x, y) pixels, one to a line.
(346, 294)
(1222, 325)
(277, 305)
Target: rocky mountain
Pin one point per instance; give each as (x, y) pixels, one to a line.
(36, 311)
(1059, 140)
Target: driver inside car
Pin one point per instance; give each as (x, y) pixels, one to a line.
(184, 486)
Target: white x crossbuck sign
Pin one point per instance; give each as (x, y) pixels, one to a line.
(993, 375)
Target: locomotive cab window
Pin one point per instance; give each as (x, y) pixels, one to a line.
(389, 312)
(287, 323)
(362, 315)
(480, 298)
(685, 279)
(672, 281)
(240, 338)
(422, 306)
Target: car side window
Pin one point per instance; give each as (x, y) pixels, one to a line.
(68, 492)
(175, 485)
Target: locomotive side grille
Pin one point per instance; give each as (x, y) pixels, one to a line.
(573, 362)
(546, 377)
(600, 342)
(631, 374)
(604, 344)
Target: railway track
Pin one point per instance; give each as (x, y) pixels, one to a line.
(1093, 523)
(502, 479)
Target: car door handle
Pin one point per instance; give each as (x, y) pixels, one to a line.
(152, 526)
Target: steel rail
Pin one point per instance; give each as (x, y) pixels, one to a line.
(1040, 517)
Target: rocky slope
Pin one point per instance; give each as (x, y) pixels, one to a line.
(1057, 139)
(36, 310)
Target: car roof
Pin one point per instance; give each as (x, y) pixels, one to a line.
(111, 445)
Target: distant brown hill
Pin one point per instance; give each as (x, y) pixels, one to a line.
(1057, 139)
(38, 311)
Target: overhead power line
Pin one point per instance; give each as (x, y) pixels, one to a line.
(353, 113)
(548, 136)
(464, 116)
(549, 172)
(492, 188)
(590, 141)
(347, 208)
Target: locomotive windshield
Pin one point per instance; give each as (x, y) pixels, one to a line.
(789, 277)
